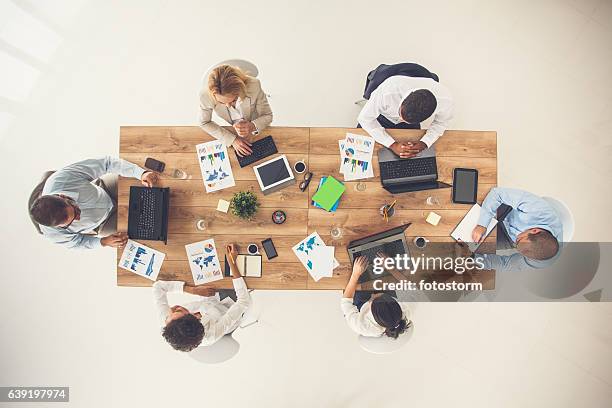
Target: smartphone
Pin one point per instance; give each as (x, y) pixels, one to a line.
(269, 248)
(155, 165)
(465, 186)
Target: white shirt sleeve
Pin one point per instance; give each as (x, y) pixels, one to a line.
(440, 122)
(91, 169)
(368, 120)
(223, 326)
(160, 295)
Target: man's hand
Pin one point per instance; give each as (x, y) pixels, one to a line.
(200, 290)
(242, 147)
(478, 233)
(116, 240)
(149, 179)
(414, 148)
(359, 267)
(244, 128)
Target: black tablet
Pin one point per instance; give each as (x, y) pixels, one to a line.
(465, 186)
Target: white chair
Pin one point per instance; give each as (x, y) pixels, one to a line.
(219, 352)
(384, 344)
(565, 214)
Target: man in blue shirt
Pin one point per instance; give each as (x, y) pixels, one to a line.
(533, 226)
(71, 207)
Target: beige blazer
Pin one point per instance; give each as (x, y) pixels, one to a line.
(254, 107)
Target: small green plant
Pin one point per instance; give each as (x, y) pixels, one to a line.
(244, 204)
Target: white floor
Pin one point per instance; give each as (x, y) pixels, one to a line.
(73, 71)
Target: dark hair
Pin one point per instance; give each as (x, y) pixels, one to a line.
(49, 210)
(542, 246)
(388, 313)
(418, 106)
(185, 333)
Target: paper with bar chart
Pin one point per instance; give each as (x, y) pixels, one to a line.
(356, 157)
(141, 260)
(215, 166)
(204, 262)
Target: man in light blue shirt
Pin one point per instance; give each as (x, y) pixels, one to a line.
(533, 226)
(71, 206)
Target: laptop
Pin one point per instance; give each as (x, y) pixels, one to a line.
(148, 213)
(405, 175)
(392, 242)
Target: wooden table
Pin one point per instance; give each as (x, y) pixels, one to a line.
(318, 147)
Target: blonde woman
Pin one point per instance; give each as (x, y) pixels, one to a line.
(239, 100)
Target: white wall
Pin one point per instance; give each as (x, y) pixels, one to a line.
(538, 72)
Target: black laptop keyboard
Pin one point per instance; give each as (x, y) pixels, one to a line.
(262, 148)
(423, 166)
(389, 248)
(148, 202)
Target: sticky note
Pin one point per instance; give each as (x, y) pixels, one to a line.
(223, 206)
(433, 218)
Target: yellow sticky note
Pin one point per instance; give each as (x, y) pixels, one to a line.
(433, 218)
(223, 206)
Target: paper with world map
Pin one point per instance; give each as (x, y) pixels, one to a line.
(204, 262)
(317, 258)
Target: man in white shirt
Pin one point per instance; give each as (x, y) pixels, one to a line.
(71, 207)
(206, 320)
(404, 102)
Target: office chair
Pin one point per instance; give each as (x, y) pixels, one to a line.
(219, 352)
(384, 344)
(565, 214)
(384, 71)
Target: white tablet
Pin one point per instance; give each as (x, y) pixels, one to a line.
(273, 172)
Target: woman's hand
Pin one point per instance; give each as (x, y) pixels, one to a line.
(242, 147)
(244, 128)
(359, 267)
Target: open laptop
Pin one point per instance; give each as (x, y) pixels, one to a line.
(414, 174)
(148, 213)
(392, 242)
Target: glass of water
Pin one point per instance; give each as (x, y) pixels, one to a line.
(336, 232)
(201, 224)
(432, 201)
(178, 174)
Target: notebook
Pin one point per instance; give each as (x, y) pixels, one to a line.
(335, 207)
(248, 265)
(330, 191)
(463, 231)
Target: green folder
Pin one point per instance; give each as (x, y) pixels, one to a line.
(329, 192)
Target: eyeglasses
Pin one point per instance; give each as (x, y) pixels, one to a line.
(304, 184)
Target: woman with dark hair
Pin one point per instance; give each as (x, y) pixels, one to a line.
(372, 314)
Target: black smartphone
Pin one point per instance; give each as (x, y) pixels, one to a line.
(465, 186)
(155, 165)
(269, 248)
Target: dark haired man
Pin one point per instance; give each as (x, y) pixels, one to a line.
(72, 210)
(532, 227)
(205, 321)
(403, 102)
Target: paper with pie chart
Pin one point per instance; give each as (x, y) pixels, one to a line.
(204, 262)
(356, 153)
(317, 258)
(215, 166)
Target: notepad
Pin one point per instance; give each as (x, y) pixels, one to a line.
(463, 231)
(249, 265)
(330, 191)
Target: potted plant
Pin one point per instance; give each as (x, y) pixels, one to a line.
(244, 204)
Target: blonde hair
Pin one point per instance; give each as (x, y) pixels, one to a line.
(227, 80)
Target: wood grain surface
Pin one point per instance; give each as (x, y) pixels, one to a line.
(357, 216)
